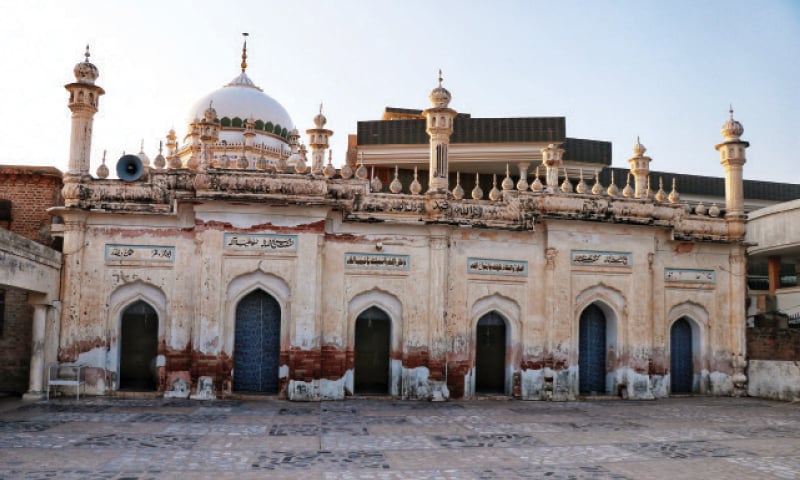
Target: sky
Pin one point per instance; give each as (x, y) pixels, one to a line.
(664, 71)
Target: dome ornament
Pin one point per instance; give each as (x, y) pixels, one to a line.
(477, 192)
(440, 97)
(244, 51)
(597, 188)
(613, 190)
(674, 196)
(731, 130)
(329, 171)
(458, 191)
(102, 170)
(396, 186)
(415, 188)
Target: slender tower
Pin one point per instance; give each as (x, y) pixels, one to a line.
(318, 141)
(732, 158)
(84, 98)
(640, 168)
(552, 159)
(439, 127)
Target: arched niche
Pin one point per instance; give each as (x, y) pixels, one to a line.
(242, 286)
(383, 300)
(698, 318)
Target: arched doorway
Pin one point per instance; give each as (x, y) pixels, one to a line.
(490, 354)
(138, 347)
(257, 344)
(681, 368)
(372, 345)
(592, 351)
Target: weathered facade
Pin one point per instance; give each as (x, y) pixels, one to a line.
(205, 279)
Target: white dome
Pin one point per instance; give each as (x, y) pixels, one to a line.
(241, 98)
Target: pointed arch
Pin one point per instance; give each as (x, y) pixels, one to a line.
(698, 318)
(383, 300)
(506, 307)
(245, 284)
(390, 305)
(509, 311)
(122, 298)
(611, 303)
(127, 294)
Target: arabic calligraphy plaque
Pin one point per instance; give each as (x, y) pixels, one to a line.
(488, 266)
(376, 261)
(601, 258)
(261, 242)
(689, 275)
(139, 253)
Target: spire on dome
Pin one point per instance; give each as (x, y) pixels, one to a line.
(440, 97)
(85, 72)
(244, 51)
(731, 130)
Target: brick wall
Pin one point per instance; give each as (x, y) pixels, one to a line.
(773, 343)
(32, 190)
(15, 341)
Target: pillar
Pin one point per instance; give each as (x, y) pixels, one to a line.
(36, 382)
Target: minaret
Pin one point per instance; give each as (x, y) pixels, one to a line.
(439, 127)
(552, 160)
(84, 97)
(318, 141)
(732, 158)
(640, 169)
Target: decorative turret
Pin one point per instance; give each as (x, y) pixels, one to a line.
(552, 159)
(318, 141)
(732, 158)
(84, 98)
(439, 125)
(640, 169)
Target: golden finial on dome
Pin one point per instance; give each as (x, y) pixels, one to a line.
(244, 52)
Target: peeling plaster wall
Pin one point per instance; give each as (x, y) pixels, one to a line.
(434, 303)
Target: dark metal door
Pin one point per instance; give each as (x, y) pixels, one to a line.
(373, 339)
(490, 354)
(592, 353)
(138, 347)
(257, 344)
(681, 370)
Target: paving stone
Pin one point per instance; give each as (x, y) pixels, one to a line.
(143, 438)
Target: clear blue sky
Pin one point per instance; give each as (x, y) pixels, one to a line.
(665, 71)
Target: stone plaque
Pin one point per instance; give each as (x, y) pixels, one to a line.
(689, 275)
(139, 253)
(601, 258)
(376, 261)
(262, 242)
(488, 266)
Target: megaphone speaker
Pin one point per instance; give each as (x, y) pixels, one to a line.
(130, 168)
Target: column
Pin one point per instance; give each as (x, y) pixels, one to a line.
(36, 380)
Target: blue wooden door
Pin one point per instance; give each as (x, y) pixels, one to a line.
(257, 344)
(592, 352)
(681, 370)
(490, 354)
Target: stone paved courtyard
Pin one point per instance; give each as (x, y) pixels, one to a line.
(136, 438)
